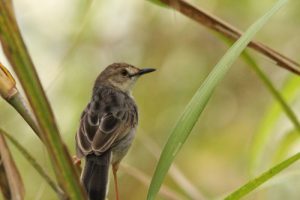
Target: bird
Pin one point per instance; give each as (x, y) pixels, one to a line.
(107, 127)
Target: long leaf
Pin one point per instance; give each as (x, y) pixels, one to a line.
(267, 82)
(256, 152)
(276, 94)
(15, 182)
(158, 2)
(4, 185)
(143, 178)
(288, 141)
(175, 173)
(198, 102)
(33, 162)
(213, 22)
(253, 184)
(17, 54)
(270, 118)
(290, 137)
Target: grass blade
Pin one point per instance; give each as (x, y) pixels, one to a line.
(256, 151)
(198, 102)
(144, 179)
(253, 184)
(276, 94)
(289, 92)
(218, 25)
(291, 136)
(286, 144)
(175, 173)
(33, 162)
(158, 2)
(4, 186)
(12, 173)
(17, 54)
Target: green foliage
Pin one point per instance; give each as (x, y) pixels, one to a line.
(283, 148)
(16, 52)
(270, 119)
(170, 43)
(157, 2)
(198, 102)
(251, 185)
(276, 94)
(33, 162)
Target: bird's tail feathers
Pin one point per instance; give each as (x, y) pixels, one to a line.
(95, 175)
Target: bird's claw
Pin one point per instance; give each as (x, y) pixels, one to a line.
(76, 161)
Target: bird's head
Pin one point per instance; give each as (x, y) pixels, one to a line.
(121, 75)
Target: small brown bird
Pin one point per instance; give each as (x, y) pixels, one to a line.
(107, 127)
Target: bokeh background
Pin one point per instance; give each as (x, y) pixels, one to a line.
(71, 41)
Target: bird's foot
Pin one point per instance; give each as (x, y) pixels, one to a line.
(76, 161)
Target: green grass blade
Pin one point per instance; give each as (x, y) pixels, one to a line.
(158, 2)
(4, 182)
(214, 23)
(273, 116)
(17, 101)
(286, 143)
(290, 90)
(256, 151)
(276, 94)
(14, 180)
(33, 162)
(17, 54)
(198, 102)
(251, 185)
(265, 130)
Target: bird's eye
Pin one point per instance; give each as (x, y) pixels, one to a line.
(124, 72)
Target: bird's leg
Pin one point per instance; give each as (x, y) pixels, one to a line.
(115, 168)
(77, 163)
(76, 160)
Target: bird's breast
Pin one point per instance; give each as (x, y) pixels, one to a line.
(120, 149)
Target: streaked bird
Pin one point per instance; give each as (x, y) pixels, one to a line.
(107, 127)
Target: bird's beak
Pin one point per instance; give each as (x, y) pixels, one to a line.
(143, 71)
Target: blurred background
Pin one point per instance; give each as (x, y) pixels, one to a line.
(71, 41)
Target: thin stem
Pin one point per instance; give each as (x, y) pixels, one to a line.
(14, 179)
(17, 54)
(267, 82)
(18, 102)
(218, 25)
(276, 94)
(33, 162)
(165, 191)
(4, 186)
(253, 184)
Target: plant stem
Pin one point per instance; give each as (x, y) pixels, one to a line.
(253, 184)
(19, 104)
(17, 54)
(15, 182)
(33, 162)
(229, 31)
(4, 186)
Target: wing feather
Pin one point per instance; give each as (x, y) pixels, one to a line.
(106, 120)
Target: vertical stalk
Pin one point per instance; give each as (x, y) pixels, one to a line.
(14, 180)
(17, 54)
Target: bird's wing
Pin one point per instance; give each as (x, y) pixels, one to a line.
(108, 118)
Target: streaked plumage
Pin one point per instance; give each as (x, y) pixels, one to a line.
(107, 126)
(108, 118)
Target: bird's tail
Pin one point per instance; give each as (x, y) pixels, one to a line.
(94, 176)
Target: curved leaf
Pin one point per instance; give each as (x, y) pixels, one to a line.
(198, 102)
